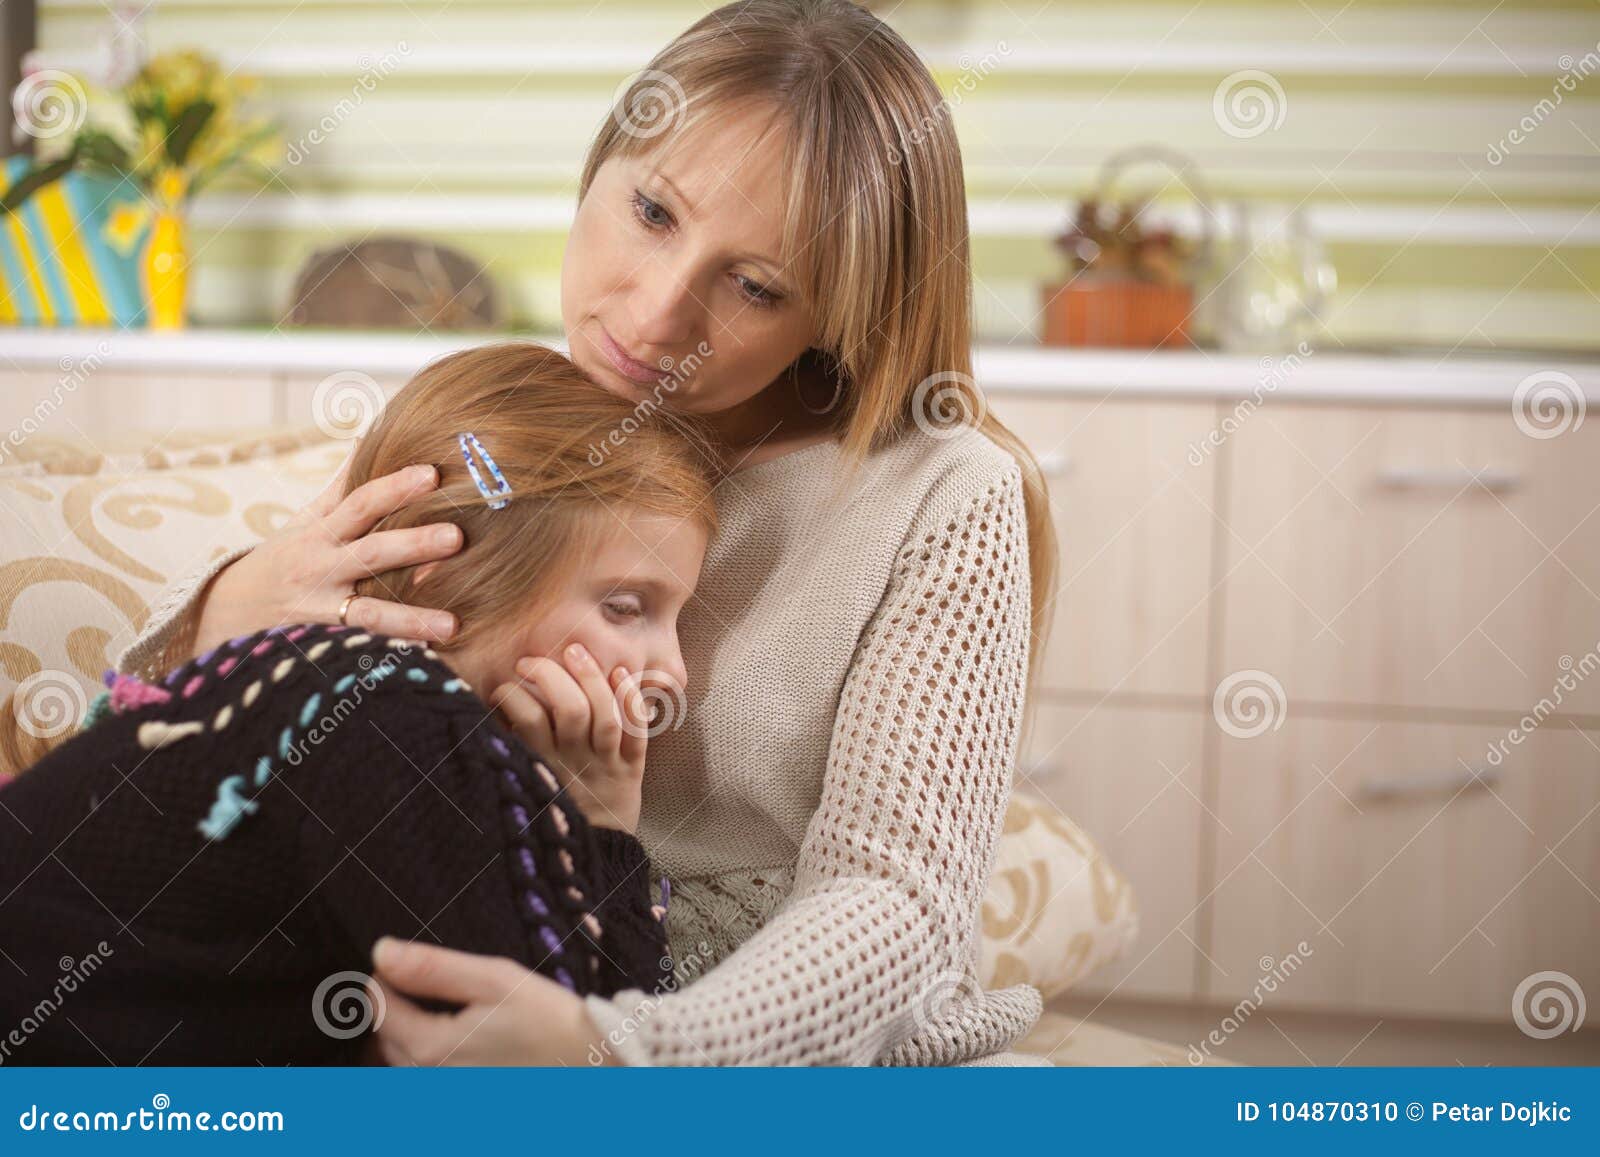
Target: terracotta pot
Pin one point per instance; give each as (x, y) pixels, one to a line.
(1124, 312)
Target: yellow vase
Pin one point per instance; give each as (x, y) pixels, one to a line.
(165, 271)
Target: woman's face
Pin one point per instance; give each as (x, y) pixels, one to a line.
(676, 254)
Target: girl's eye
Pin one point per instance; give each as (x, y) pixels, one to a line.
(623, 610)
(652, 213)
(757, 295)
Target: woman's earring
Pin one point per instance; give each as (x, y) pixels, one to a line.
(799, 390)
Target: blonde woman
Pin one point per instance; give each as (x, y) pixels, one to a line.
(776, 204)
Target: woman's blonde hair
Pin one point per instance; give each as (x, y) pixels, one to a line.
(876, 215)
(572, 453)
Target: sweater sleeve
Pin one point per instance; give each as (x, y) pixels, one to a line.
(425, 822)
(402, 831)
(872, 957)
(167, 639)
(639, 955)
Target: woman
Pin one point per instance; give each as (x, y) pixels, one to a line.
(778, 204)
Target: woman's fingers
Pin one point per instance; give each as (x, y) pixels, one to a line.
(400, 1028)
(382, 617)
(391, 549)
(421, 969)
(530, 1020)
(605, 723)
(360, 510)
(409, 1035)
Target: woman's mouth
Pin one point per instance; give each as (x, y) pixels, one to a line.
(625, 364)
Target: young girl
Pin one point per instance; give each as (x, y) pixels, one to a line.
(198, 876)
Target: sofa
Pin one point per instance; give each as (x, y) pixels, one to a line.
(94, 533)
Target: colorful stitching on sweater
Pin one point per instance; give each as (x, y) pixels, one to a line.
(231, 805)
(525, 874)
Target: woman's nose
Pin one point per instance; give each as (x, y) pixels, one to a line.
(662, 305)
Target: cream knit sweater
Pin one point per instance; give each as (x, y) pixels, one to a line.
(828, 806)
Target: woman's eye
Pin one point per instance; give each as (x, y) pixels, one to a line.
(652, 213)
(623, 610)
(757, 295)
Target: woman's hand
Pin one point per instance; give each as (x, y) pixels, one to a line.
(303, 572)
(591, 730)
(512, 1015)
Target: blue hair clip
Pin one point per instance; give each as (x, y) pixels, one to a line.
(497, 498)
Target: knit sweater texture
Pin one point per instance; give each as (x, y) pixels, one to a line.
(218, 850)
(828, 799)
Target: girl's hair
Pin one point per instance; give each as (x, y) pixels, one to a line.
(572, 453)
(875, 220)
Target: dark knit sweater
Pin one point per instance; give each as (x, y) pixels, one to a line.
(185, 881)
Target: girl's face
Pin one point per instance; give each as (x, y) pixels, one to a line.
(676, 254)
(620, 602)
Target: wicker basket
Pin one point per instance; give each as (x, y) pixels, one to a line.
(1120, 310)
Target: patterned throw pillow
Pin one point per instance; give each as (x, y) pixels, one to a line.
(1056, 909)
(85, 555)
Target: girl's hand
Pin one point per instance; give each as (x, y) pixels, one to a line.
(512, 1015)
(303, 572)
(591, 730)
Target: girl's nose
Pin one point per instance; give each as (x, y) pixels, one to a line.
(671, 667)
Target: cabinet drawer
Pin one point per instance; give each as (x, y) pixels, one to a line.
(1366, 565)
(1135, 524)
(1130, 777)
(1418, 890)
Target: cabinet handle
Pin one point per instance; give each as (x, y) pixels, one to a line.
(1421, 478)
(1396, 786)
